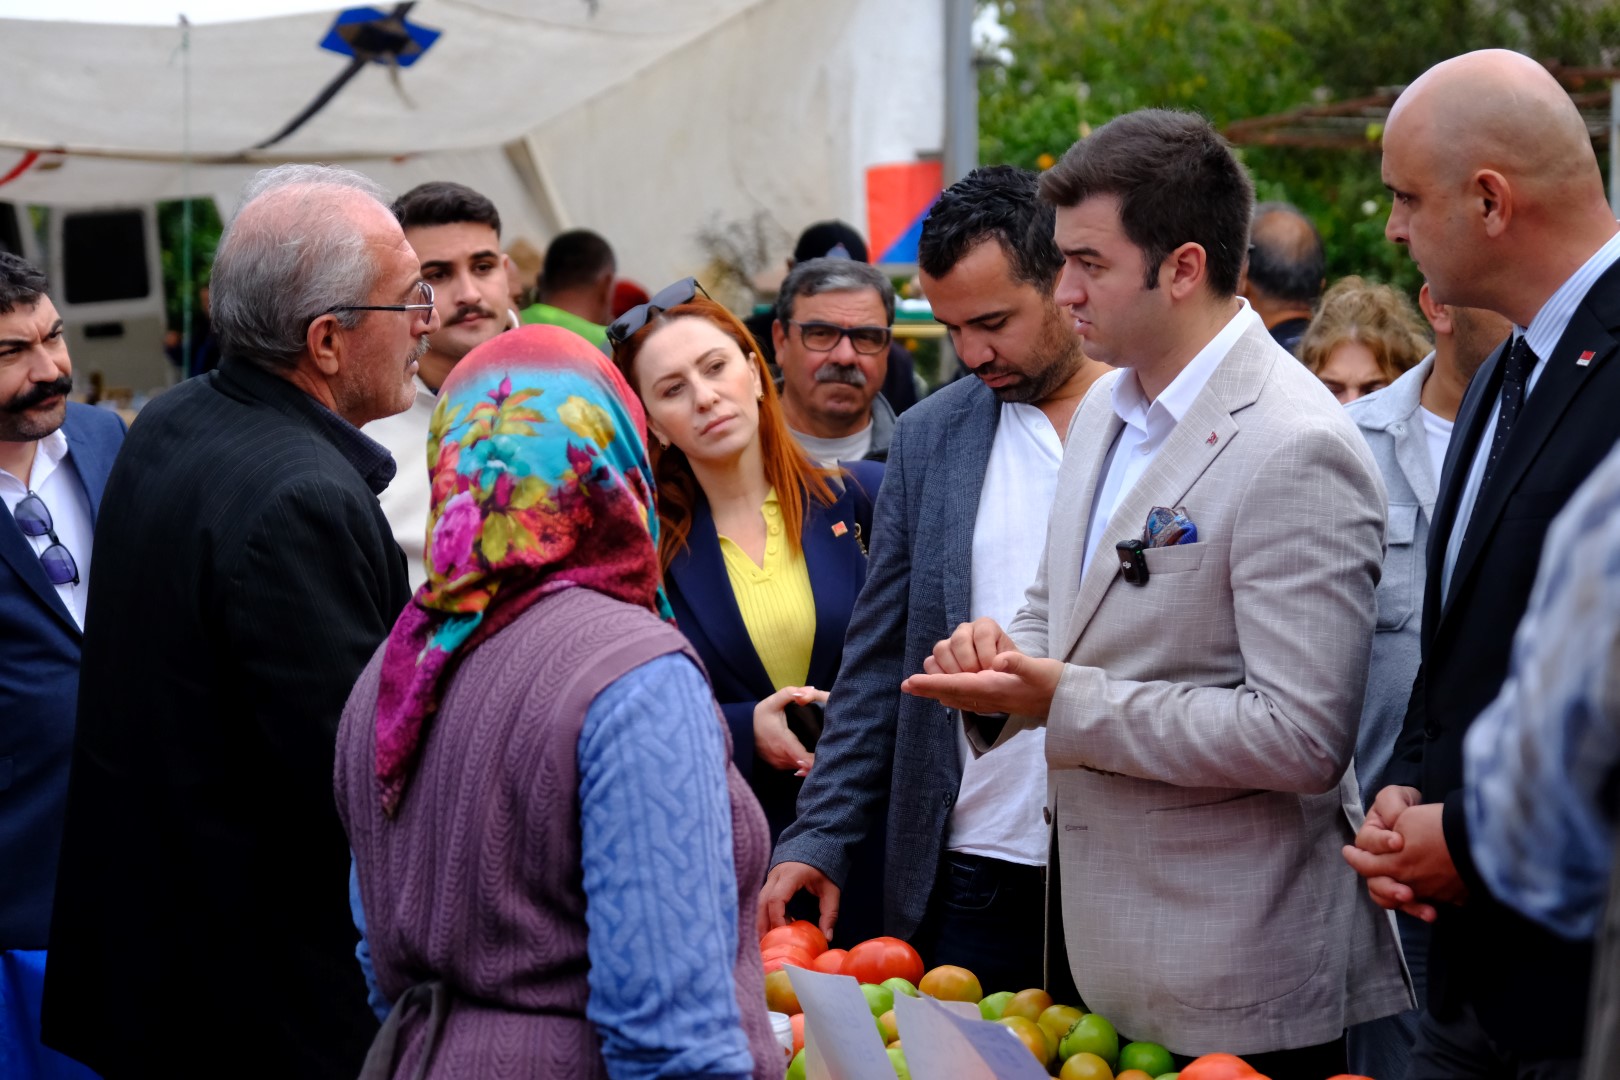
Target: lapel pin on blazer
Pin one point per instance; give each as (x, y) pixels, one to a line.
(839, 528)
(1212, 440)
(1585, 359)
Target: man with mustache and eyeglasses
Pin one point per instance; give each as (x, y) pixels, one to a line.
(831, 336)
(244, 577)
(456, 232)
(54, 458)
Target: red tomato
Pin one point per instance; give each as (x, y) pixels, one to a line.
(795, 935)
(798, 1031)
(883, 958)
(812, 935)
(777, 955)
(1220, 1067)
(831, 961)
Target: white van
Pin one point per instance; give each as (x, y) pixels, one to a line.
(106, 274)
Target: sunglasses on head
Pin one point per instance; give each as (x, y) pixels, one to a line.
(627, 325)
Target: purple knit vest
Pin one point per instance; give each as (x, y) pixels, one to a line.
(477, 881)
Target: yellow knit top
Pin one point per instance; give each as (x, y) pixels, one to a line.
(777, 604)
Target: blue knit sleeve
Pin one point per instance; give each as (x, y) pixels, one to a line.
(660, 884)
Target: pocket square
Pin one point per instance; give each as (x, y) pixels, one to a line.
(1166, 528)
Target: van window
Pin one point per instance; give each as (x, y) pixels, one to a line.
(104, 256)
(10, 231)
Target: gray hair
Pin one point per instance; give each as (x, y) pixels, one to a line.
(815, 276)
(293, 250)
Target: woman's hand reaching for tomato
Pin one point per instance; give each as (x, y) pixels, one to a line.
(773, 740)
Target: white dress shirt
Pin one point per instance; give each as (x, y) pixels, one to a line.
(409, 496)
(997, 812)
(55, 480)
(1149, 423)
(1543, 335)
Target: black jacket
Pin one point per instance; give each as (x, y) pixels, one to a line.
(1528, 986)
(244, 575)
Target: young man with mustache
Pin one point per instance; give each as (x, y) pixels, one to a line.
(457, 233)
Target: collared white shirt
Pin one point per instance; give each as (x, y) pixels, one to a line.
(409, 496)
(997, 812)
(1149, 423)
(1543, 335)
(55, 480)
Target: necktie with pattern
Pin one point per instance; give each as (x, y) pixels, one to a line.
(1515, 373)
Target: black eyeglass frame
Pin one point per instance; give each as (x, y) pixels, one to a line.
(43, 518)
(843, 332)
(421, 286)
(629, 324)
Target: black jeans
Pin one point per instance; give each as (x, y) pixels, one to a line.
(1459, 1048)
(988, 916)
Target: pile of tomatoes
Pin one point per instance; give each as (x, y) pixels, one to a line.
(890, 964)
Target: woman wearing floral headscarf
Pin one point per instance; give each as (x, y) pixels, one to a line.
(554, 853)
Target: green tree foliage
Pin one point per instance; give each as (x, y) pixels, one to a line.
(205, 229)
(1078, 63)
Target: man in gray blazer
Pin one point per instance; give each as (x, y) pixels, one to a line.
(1407, 425)
(957, 533)
(1196, 640)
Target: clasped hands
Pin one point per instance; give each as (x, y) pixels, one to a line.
(1401, 851)
(978, 669)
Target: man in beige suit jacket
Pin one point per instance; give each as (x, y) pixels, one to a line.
(1201, 721)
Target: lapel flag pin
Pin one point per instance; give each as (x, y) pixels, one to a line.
(839, 528)
(1585, 358)
(1212, 440)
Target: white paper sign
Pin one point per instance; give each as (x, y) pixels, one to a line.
(943, 1039)
(841, 1040)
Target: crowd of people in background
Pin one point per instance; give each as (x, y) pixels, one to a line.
(478, 667)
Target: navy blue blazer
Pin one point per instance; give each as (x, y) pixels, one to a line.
(706, 611)
(39, 691)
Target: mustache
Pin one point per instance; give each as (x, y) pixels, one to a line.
(848, 374)
(469, 311)
(59, 387)
(419, 351)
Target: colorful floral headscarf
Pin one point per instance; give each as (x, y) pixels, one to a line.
(537, 452)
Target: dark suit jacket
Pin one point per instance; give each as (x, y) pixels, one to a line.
(39, 689)
(244, 575)
(886, 755)
(1528, 985)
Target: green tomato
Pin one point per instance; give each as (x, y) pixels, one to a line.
(1092, 1034)
(1151, 1058)
(796, 1067)
(880, 999)
(992, 1006)
(898, 985)
(897, 1058)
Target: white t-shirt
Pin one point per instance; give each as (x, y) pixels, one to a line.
(408, 498)
(54, 479)
(998, 805)
(1438, 429)
(830, 452)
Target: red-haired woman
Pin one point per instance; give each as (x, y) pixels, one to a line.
(763, 552)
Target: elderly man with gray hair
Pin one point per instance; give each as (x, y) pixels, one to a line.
(201, 924)
(831, 337)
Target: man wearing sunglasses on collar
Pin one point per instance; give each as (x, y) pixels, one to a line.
(831, 337)
(54, 458)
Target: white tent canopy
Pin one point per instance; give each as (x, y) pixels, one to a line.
(647, 120)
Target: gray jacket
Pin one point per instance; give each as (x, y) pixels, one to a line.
(885, 755)
(1393, 427)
